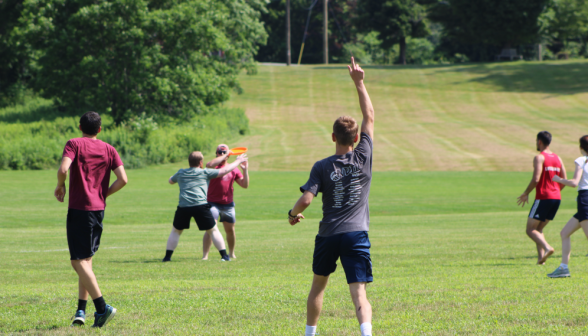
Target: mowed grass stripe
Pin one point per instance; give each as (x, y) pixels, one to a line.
(463, 117)
(28, 201)
(438, 274)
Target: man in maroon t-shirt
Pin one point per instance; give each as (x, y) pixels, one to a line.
(220, 198)
(90, 161)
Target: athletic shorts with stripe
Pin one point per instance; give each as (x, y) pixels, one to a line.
(543, 210)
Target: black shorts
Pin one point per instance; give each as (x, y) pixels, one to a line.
(543, 210)
(201, 214)
(354, 250)
(582, 200)
(84, 229)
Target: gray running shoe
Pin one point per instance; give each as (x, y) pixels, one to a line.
(560, 272)
(101, 319)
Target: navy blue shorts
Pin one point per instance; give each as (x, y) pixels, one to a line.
(543, 210)
(582, 213)
(354, 250)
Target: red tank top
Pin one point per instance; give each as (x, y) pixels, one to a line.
(546, 188)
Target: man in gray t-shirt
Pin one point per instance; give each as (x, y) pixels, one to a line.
(193, 184)
(344, 179)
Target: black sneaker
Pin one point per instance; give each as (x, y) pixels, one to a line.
(226, 258)
(166, 259)
(100, 320)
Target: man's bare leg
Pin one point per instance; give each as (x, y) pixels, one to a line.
(206, 244)
(217, 238)
(83, 293)
(537, 237)
(172, 243)
(87, 279)
(314, 304)
(363, 309)
(540, 250)
(230, 232)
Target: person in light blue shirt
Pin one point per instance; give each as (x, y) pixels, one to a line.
(193, 183)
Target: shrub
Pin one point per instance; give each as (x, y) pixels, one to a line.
(140, 142)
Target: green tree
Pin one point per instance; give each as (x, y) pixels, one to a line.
(12, 56)
(394, 20)
(169, 58)
(478, 28)
(564, 20)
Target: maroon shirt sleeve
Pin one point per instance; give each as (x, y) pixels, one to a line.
(116, 161)
(69, 150)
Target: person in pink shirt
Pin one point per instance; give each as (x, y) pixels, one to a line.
(90, 162)
(220, 198)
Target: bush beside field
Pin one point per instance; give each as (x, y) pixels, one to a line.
(32, 135)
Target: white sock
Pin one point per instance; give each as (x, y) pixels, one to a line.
(172, 241)
(562, 265)
(366, 329)
(310, 331)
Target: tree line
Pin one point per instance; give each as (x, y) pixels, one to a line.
(167, 58)
(175, 59)
(429, 31)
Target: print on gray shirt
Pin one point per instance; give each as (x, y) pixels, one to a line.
(345, 183)
(193, 184)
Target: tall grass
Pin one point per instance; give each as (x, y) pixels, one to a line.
(32, 136)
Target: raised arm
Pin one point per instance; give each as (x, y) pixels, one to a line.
(244, 181)
(367, 110)
(537, 169)
(229, 168)
(216, 161)
(61, 177)
(121, 180)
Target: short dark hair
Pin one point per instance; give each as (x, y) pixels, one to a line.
(345, 129)
(195, 158)
(90, 123)
(584, 143)
(544, 137)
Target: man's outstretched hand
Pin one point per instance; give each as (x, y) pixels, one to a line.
(295, 219)
(356, 73)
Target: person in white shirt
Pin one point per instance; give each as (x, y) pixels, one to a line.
(580, 219)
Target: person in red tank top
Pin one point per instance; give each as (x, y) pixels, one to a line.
(547, 196)
(220, 198)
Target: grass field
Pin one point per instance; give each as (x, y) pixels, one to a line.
(480, 117)
(453, 150)
(449, 252)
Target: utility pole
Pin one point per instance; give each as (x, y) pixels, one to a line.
(288, 49)
(326, 31)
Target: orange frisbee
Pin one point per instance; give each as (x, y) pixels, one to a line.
(238, 150)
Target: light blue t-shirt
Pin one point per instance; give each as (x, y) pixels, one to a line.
(193, 184)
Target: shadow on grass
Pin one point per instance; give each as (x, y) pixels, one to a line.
(150, 261)
(392, 67)
(560, 78)
(547, 77)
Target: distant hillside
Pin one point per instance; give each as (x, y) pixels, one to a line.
(436, 118)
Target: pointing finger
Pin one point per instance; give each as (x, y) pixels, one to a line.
(353, 61)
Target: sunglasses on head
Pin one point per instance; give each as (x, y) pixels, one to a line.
(221, 152)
